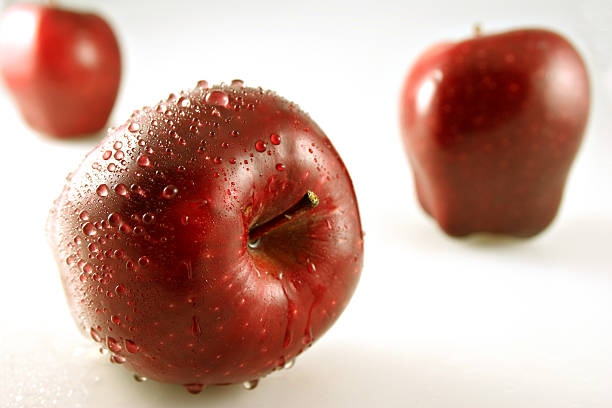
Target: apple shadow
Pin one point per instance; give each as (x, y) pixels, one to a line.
(402, 373)
(338, 375)
(578, 243)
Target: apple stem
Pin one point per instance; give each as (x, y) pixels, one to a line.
(477, 29)
(309, 201)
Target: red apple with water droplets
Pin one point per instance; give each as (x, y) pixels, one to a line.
(62, 67)
(491, 126)
(210, 239)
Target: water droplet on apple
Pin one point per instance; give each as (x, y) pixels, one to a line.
(95, 335)
(275, 139)
(117, 359)
(121, 189)
(148, 218)
(133, 127)
(131, 346)
(117, 145)
(169, 192)
(140, 378)
(217, 98)
(113, 345)
(238, 83)
(107, 155)
(254, 244)
(249, 385)
(115, 220)
(102, 190)
(184, 102)
(202, 84)
(289, 364)
(84, 216)
(89, 229)
(115, 319)
(280, 167)
(144, 161)
(260, 146)
(194, 388)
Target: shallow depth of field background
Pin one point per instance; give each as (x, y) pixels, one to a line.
(436, 322)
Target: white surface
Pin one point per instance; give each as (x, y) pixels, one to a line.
(435, 322)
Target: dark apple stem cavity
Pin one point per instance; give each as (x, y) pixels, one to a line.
(477, 29)
(309, 201)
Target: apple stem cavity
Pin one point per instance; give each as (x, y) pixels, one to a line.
(309, 201)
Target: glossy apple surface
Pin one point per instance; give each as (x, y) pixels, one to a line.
(62, 68)
(210, 239)
(491, 126)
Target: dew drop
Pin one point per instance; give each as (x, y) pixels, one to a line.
(84, 216)
(120, 290)
(169, 192)
(131, 346)
(184, 102)
(140, 378)
(144, 161)
(121, 189)
(113, 345)
(143, 261)
(275, 139)
(89, 229)
(148, 218)
(254, 244)
(194, 388)
(202, 84)
(217, 98)
(289, 364)
(117, 359)
(260, 146)
(115, 220)
(107, 155)
(133, 127)
(115, 319)
(119, 155)
(102, 190)
(249, 385)
(95, 335)
(117, 145)
(280, 167)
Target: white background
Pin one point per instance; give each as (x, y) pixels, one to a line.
(436, 321)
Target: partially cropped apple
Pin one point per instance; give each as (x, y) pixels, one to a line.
(491, 126)
(62, 67)
(210, 239)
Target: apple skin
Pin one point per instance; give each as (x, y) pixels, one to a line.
(491, 126)
(62, 67)
(151, 237)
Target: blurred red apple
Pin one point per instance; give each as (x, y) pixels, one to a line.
(62, 67)
(491, 127)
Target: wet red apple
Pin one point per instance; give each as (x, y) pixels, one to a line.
(61, 66)
(210, 239)
(491, 126)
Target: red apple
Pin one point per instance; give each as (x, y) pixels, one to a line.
(491, 126)
(62, 68)
(210, 239)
